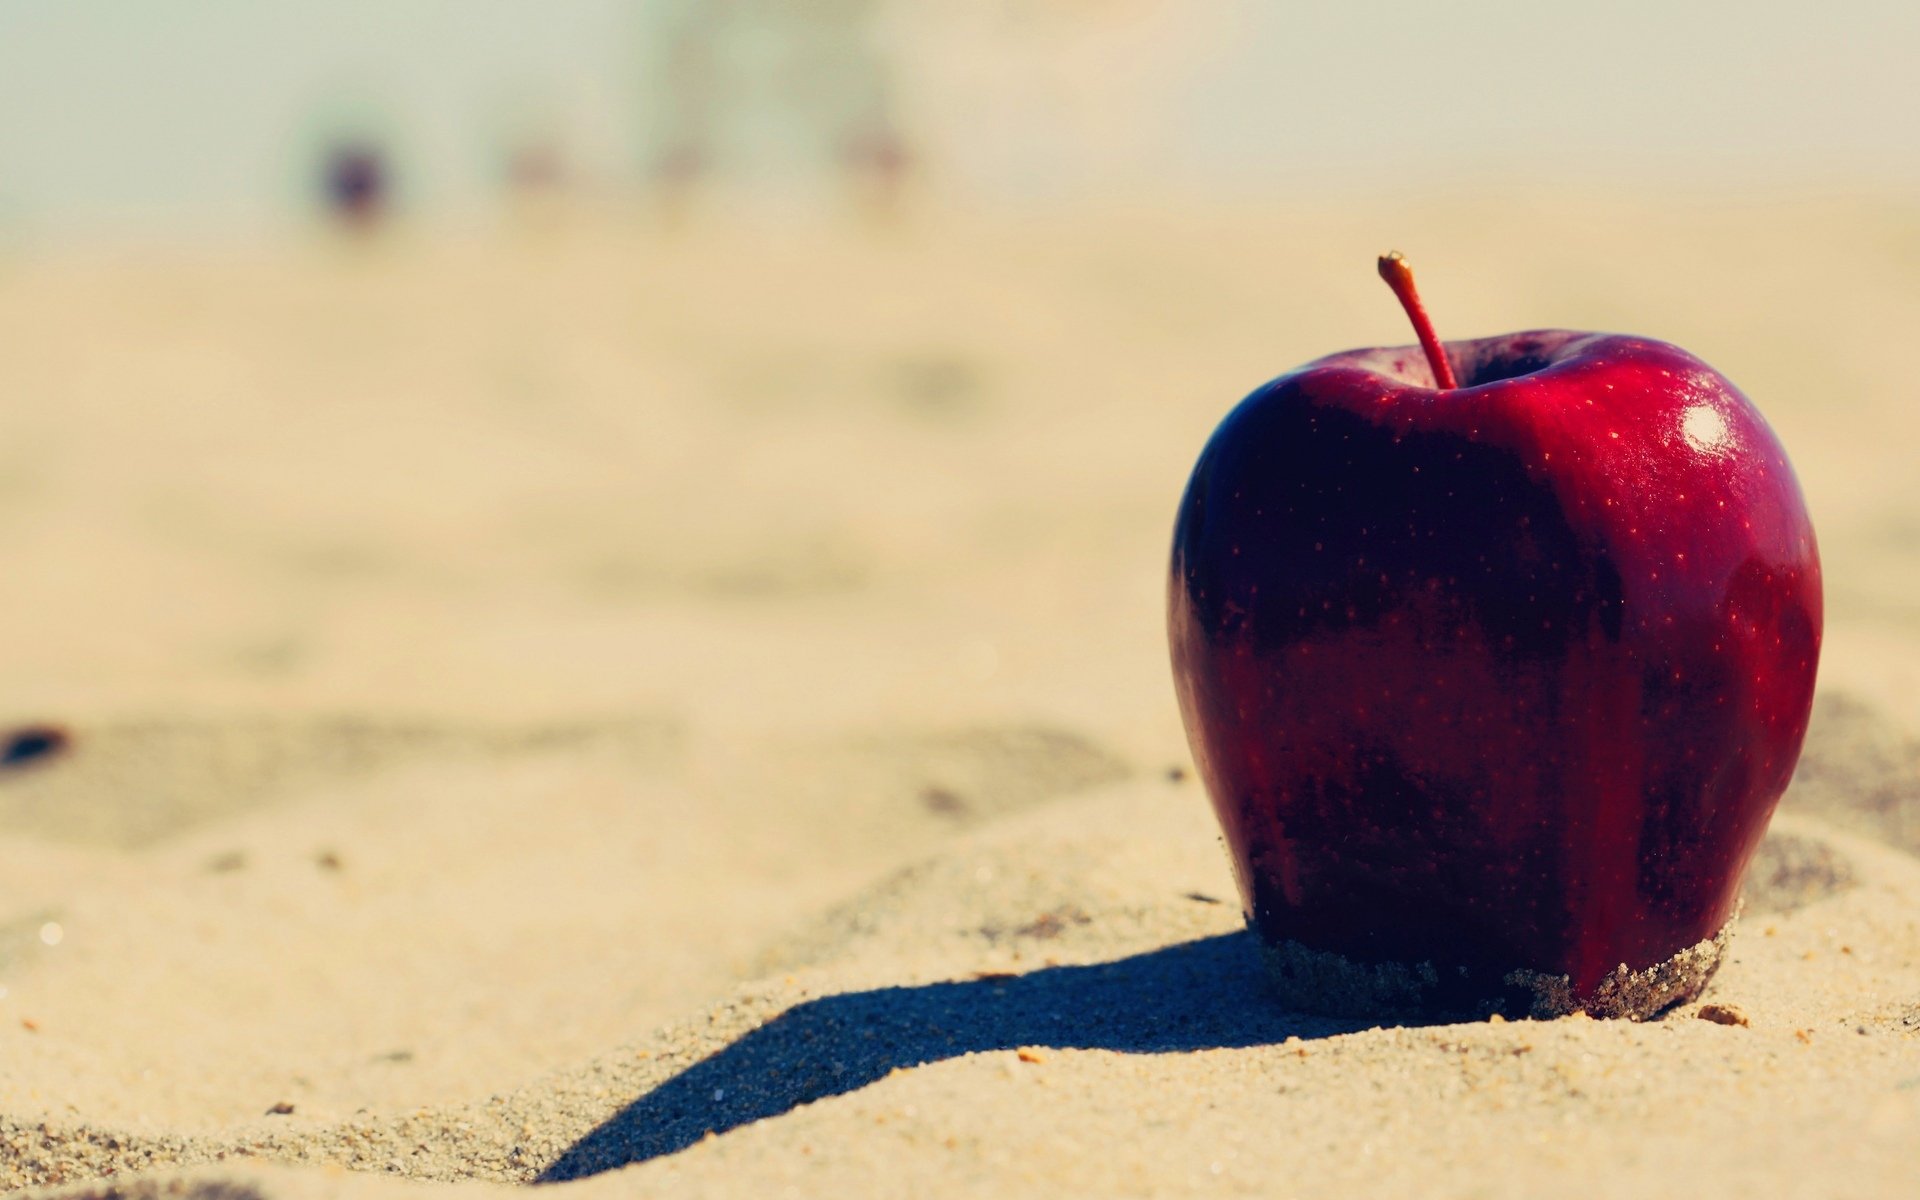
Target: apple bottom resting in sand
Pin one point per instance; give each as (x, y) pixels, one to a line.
(1494, 686)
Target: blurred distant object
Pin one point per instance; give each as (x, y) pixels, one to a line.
(538, 177)
(676, 173)
(772, 96)
(536, 165)
(356, 184)
(878, 163)
(682, 102)
(532, 142)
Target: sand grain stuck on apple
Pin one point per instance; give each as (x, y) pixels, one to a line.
(688, 760)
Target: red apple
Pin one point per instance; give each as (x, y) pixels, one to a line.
(1494, 686)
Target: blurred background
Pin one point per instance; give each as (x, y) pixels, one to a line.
(215, 116)
(815, 361)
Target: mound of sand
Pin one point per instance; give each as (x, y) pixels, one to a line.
(1061, 1001)
(605, 708)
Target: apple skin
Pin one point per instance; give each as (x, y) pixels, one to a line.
(1508, 677)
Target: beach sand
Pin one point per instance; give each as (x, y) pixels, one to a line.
(686, 712)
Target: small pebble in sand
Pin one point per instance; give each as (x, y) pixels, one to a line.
(940, 800)
(281, 1109)
(1031, 1056)
(31, 743)
(1722, 1014)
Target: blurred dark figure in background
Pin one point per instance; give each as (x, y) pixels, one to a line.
(355, 184)
(751, 88)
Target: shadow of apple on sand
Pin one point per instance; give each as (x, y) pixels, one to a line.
(1197, 995)
(1205, 994)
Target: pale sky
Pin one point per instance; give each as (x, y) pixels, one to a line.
(204, 112)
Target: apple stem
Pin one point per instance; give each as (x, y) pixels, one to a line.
(1399, 277)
